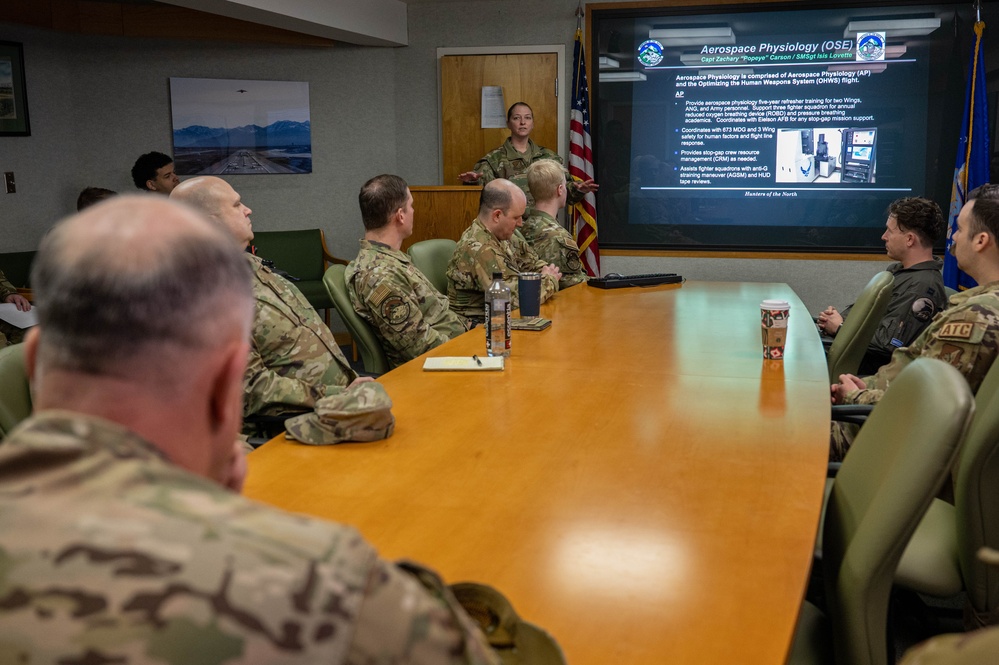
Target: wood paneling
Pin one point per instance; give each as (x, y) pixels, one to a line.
(526, 77)
(442, 212)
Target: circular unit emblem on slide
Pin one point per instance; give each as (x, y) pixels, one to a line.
(871, 46)
(650, 53)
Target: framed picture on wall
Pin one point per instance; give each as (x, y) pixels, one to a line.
(238, 126)
(13, 96)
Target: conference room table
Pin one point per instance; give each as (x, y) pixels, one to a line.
(638, 481)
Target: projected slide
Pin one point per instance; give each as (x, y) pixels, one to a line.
(749, 132)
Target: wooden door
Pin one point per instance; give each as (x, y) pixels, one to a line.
(524, 77)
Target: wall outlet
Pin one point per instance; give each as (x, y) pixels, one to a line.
(8, 181)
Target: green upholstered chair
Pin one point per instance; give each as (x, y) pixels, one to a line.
(897, 464)
(15, 397)
(302, 254)
(372, 354)
(852, 339)
(432, 257)
(941, 559)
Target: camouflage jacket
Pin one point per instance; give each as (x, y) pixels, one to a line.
(6, 288)
(917, 295)
(111, 554)
(965, 335)
(553, 244)
(506, 162)
(408, 314)
(294, 359)
(478, 254)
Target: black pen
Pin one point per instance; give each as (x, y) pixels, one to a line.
(477, 361)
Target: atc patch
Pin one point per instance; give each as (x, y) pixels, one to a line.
(962, 331)
(395, 310)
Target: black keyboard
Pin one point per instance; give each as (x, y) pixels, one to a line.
(620, 281)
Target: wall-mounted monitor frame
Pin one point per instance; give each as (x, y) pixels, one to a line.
(716, 145)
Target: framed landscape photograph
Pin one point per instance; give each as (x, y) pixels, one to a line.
(236, 126)
(13, 96)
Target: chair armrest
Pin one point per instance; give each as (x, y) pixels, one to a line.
(328, 257)
(851, 413)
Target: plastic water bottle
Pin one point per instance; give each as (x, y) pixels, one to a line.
(498, 317)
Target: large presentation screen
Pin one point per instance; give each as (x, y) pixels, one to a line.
(778, 128)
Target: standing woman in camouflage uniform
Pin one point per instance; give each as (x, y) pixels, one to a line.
(511, 159)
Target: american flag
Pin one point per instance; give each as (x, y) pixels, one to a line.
(584, 213)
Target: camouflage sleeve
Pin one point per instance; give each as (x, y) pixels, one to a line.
(486, 168)
(6, 288)
(264, 387)
(487, 261)
(391, 306)
(409, 616)
(965, 336)
(527, 260)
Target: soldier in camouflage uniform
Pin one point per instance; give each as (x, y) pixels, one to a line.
(543, 233)
(966, 334)
(8, 293)
(491, 244)
(294, 359)
(121, 538)
(511, 159)
(408, 314)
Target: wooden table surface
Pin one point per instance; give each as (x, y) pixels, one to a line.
(638, 481)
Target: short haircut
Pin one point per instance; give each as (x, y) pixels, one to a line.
(145, 167)
(106, 303)
(985, 213)
(920, 216)
(92, 195)
(986, 191)
(380, 197)
(544, 177)
(509, 111)
(495, 196)
(203, 193)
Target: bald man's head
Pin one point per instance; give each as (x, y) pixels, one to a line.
(218, 201)
(501, 207)
(132, 276)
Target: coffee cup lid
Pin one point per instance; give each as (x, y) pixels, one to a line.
(775, 304)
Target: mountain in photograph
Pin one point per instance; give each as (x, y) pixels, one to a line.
(280, 133)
